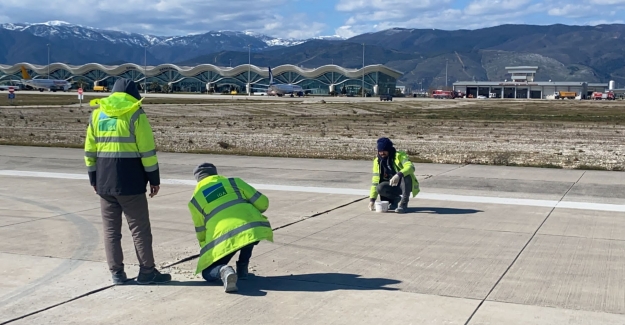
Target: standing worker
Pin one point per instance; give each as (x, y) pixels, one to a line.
(393, 177)
(121, 159)
(228, 217)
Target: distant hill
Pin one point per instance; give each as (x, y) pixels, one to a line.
(564, 53)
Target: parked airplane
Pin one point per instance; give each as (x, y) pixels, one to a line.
(280, 90)
(41, 84)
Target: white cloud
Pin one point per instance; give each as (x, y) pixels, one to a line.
(168, 17)
(480, 7)
(376, 15)
(568, 10)
(286, 18)
(608, 2)
(604, 22)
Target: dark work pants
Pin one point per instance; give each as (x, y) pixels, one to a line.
(396, 194)
(135, 207)
(211, 273)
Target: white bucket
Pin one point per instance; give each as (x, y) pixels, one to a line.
(381, 206)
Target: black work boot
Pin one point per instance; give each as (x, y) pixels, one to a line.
(119, 277)
(242, 272)
(393, 204)
(153, 278)
(403, 205)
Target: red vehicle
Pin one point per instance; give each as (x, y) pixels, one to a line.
(449, 94)
(599, 96)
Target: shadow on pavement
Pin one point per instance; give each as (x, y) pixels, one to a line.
(316, 282)
(432, 210)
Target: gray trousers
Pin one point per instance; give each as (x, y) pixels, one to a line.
(135, 207)
(396, 194)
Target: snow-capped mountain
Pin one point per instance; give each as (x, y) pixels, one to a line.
(88, 44)
(65, 30)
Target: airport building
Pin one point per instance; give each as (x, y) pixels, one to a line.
(522, 85)
(377, 79)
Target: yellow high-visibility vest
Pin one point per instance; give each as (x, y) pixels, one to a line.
(119, 129)
(403, 165)
(227, 214)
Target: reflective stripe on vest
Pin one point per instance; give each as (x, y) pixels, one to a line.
(129, 139)
(220, 207)
(231, 234)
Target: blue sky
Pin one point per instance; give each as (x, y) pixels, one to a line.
(308, 18)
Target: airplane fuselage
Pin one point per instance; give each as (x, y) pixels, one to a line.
(51, 84)
(284, 89)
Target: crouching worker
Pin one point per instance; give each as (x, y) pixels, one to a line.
(227, 214)
(393, 177)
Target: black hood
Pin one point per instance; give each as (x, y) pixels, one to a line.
(126, 86)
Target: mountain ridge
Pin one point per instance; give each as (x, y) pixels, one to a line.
(562, 52)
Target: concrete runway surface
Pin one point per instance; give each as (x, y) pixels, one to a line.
(480, 245)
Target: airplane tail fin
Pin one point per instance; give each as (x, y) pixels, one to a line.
(270, 77)
(25, 74)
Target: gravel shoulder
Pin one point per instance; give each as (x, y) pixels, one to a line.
(558, 134)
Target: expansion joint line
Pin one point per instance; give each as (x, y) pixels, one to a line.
(522, 250)
(192, 257)
(56, 305)
(170, 265)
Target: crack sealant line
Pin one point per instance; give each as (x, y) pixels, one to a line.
(520, 252)
(451, 170)
(56, 305)
(192, 257)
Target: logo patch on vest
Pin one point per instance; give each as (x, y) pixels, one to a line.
(214, 192)
(107, 125)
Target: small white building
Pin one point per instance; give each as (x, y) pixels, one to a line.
(523, 85)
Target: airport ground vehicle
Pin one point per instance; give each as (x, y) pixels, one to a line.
(100, 89)
(565, 94)
(386, 97)
(599, 95)
(449, 94)
(443, 94)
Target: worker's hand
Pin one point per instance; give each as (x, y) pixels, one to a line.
(395, 180)
(95, 190)
(154, 190)
(372, 205)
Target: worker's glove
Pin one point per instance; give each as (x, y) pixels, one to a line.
(395, 180)
(372, 205)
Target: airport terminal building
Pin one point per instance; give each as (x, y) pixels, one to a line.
(378, 79)
(522, 85)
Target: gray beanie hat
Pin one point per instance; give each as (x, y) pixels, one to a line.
(127, 86)
(204, 170)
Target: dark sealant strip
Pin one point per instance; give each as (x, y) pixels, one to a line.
(168, 266)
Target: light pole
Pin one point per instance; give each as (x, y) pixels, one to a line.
(48, 60)
(363, 70)
(446, 60)
(249, 67)
(145, 68)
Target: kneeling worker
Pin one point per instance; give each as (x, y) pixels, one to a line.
(393, 177)
(227, 214)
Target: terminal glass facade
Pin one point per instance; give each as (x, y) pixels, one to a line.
(170, 78)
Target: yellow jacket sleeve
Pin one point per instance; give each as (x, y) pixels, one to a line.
(256, 198)
(407, 166)
(375, 180)
(91, 151)
(147, 147)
